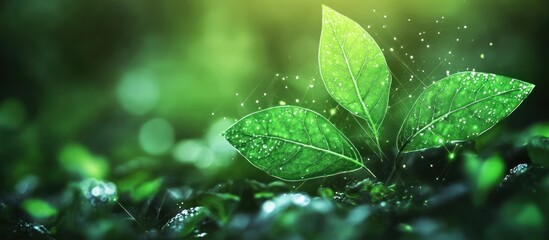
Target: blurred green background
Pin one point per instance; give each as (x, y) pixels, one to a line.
(137, 92)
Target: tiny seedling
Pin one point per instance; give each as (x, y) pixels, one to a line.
(295, 143)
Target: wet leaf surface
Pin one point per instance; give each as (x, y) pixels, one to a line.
(460, 107)
(354, 69)
(293, 143)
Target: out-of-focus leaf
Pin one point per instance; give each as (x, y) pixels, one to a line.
(77, 159)
(538, 150)
(483, 175)
(146, 189)
(38, 208)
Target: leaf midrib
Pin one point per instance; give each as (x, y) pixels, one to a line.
(371, 124)
(309, 146)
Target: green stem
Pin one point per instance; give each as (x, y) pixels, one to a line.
(369, 171)
(395, 162)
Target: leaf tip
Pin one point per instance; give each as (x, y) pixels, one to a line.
(327, 10)
(225, 133)
(530, 87)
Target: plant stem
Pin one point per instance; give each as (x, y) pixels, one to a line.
(395, 162)
(369, 171)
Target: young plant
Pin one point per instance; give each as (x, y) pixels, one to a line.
(294, 143)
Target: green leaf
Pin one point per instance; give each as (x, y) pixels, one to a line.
(460, 107)
(146, 189)
(76, 159)
(39, 208)
(185, 222)
(354, 69)
(293, 143)
(483, 175)
(491, 173)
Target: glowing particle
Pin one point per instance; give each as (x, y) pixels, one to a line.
(333, 111)
(451, 156)
(281, 103)
(268, 206)
(96, 191)
(482, 56)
